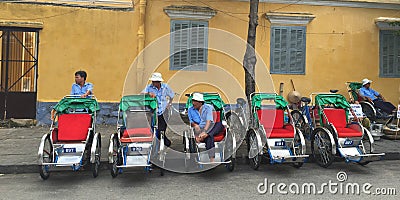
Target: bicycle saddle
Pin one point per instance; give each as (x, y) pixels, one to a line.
(305, 99)
(333, 91)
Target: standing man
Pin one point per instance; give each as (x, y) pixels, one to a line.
(81, 87)
(161, 91)
(377, 99)
(201, 119)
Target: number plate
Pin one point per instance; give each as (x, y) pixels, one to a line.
(280, 143)
(348, 142)
(136, 148)
(69, 150)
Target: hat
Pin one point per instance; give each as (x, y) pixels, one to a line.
(156, 77)
(198, 97)
(365, 81)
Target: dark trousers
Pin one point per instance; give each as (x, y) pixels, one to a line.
(162, 126)
(218, 127)
(385, 106)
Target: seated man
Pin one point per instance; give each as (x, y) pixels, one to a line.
(376, 98)
(201, 119)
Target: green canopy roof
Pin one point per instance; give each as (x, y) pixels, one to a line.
(338, 100)
(209, 98)
(76, 103)
(257, 98)
(355, 86)
(137, 100)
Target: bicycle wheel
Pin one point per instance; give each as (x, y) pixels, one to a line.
(47, 156)
(253, 150)
(321, 147)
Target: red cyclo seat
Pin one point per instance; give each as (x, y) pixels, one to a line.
(273, 123)
(74, 127)
(137, 135)
(221, 135)
(337, 117)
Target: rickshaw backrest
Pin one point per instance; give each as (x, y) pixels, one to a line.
(271, 118)
(73, 127)
(336, 116)
(216, 116)
(138, 119)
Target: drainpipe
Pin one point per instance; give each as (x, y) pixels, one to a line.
(141, 43)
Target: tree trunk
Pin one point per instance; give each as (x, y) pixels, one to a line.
(250, 59)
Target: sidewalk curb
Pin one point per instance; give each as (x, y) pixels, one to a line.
(33, 168)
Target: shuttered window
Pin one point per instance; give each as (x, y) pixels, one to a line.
(189, 45)
(389, 53)
(288, 49)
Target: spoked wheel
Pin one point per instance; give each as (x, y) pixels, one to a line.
(321, 147)
(367, 148)
(300, 122)
(252, 148)
(369, 111)
(47, 156)
(297, 149)
(231, 166)
(117, 159)
(236, 128)
(96, 164)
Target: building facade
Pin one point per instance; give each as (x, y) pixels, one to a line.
(198, 45)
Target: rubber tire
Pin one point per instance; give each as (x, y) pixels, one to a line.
(256, 160)
(96, 164)
(329, 146)
(42, 171)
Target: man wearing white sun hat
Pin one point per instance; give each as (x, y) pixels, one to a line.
(161, 91)
(201, 119)
(375, 97)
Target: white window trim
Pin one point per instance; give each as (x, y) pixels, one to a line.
(190, 12)
(383, 23)
(280, 18)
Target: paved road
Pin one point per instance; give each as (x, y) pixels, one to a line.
(240, 184)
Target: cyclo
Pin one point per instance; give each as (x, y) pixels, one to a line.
(271, 135)
(134, 144)
(225, 141)
(332, 133)
(72, 140)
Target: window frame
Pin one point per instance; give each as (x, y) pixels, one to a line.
(273, 69)
(396, 51)
(198, 66)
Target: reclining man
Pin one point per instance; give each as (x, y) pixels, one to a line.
(201, 119)
(375, 97)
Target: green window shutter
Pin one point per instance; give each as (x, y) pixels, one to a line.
(288, 45)
(189, 45)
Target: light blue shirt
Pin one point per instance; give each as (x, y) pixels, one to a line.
(201, 119)
(161, 95)
(78, 90)
(370, 93)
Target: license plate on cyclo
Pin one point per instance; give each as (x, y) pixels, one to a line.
(280, 143)
(348, 142)
(69, 150)
(136, 148)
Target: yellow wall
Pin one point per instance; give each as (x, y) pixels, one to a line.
(342, 45)
(102, 42)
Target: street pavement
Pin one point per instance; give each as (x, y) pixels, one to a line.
(19, 146)
(242, 183)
